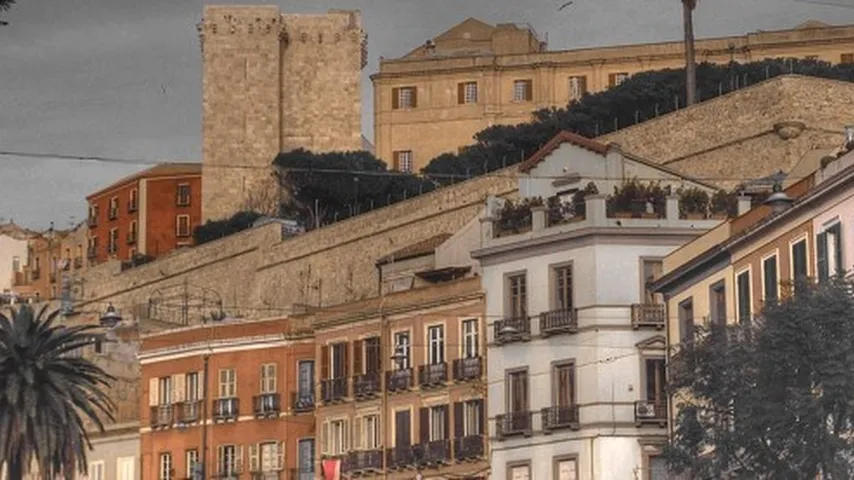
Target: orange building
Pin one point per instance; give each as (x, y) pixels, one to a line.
(149, 213)
(253, 417)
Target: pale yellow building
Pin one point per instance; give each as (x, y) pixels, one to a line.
(434, 99)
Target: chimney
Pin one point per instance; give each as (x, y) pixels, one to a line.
(778, 201)
(744, 204)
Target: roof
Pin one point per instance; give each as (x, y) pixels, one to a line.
(16, 231)
(424, 247)
(160, 170)
(562, 137)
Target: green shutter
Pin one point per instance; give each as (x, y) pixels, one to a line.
(821, 256)
(744, 307)
(837, 231)
(769, 266)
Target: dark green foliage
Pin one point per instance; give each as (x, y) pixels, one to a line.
(773, 398)
(632, 196)
(46, 394)
(314, 182)
(724, 203)
(578, 199)
(4, 6)
(515, 217)
(640, 98)
(213, 230)
(693, 200)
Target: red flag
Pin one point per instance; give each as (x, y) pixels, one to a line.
(332, 469)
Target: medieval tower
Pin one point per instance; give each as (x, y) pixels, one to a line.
(273, 82)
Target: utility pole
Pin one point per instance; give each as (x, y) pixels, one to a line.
(688, 7)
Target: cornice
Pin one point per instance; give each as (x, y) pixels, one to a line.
(396, 310)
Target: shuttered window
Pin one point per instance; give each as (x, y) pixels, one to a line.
(467, 93)
(404, 97)
(799, 260)
(518, 392)
(563, 376)
(770, 283)
(745, 309)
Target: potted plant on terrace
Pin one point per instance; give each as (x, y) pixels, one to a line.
(723, 205)
(515, 216)
(632, 199)
(693, 203)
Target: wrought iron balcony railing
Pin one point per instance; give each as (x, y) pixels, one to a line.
(226, 409)
(399, 380)
(334, 389)
(514, 423)
(367, 385)
(560, 416)
(400, 457)
(513, 329)
(648, 315)
(469, 447)
(267, 405)
(558, 321)
(162, 416)
(189, 411)
(366, 461)
(436, 452)
(302, 401)
(466, 369)
(651, 412)
(433, 375)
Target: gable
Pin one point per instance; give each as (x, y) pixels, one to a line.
(468, 29)
(657, 342)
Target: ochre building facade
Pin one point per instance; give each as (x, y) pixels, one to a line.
(476, 75)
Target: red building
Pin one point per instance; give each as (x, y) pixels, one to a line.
(149, 213)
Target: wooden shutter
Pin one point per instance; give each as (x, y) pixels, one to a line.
(529, 90)
(447, 414)
(461, 93)
(481, 416)
(395, 98)
(821, 255)
(280, 456)
(238, 458)
(179, 383)
(152, 391)
(254, 458)
(344, 347)
(220, 459)
(345, 435)
(837, 231)
(200, 384)
(414, 96)
(358, 423)
(459, 420)
(324, 438)
(358, 357)
(424, 425)
(324, 362)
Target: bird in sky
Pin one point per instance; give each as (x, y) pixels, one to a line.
(565, 5)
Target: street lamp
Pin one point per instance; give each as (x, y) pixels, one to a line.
(508, 329)
(399, 357)
(111, 317)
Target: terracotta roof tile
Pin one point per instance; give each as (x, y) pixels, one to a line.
(558, 140)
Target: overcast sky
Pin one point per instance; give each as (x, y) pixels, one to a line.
(121, 78)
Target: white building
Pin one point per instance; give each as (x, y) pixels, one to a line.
(14, 254)
(576, 344)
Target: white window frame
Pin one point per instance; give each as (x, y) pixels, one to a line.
(436, 344)
(165, 463)
(574, 82)
(97, 470)
(472, 412)
(832, 268)
(520, 90)
(337, 437)
(178, 230)
(437, 417)
(333, 348)
(227, 385)
(114, 208)
(803, 238)
(191, 457)
(741, 272)
(407, 347)
(192, 386)
(776, 255)
(223, 453)
(404, 97)
(179, 199)
(114, 240)
(470, 93)
(620, 77)
(268, 378)
(371, 431)
(470, 333)
(164, 391)
(526, 474)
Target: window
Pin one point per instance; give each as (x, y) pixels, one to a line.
(615, 79)
(829, 252)
(164, 389)
(403, 161)
(402, 428)
(227, 383)
(404, 97)
(96, 471)
(114, 208)
(402, 344)
(266, 457)
(182, 225)
(577, 87)
(306, 378)
(166, 466)
(658, 468)
(799, 260)
(305, 459)
(563, 288)
(686, 321)
(846, 58)
(193, 467)
(517, 296)
(133, 200)
(517, 394)
(192, 387)
(472, 417)
(523, 90)
(183, 195)
(654, 384)
(566, 469)
(338, 359)
(438, 423)
(268, 378)
(373, 357)
(436, 344)
(770, 284)
(652, 270)
(93, 215)
(563, 384)
(371, 432)
(132, 232)
(125, 467)
(742, 285)
(114, 240)
(520, 472)
(467, 93)
(229, 459)
(16, 264)
(337, 437)
(717, 304)
(471, 334)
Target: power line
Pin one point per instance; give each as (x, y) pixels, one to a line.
(368, 173)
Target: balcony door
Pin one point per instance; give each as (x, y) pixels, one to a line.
(402, 428)
(655, 381)
(305, 459)
(652, 270)
(305, 378)
(564, 385)
(518, 392)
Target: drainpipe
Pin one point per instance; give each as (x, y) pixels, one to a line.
(205, 402)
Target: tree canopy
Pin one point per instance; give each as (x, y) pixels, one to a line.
(212, 230)
(4, 6)
(772, 398)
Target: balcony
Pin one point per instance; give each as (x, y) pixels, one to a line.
(365, 461)
(78, 262)
(266, 405)
(433, 376)
(648, 315)
(367, 385)
(334, 390)
(302, 401)
(559, 417)
(161, 416)
(301, 474)
(470, 447)
(514, 329)
(435, 453)
(36, 274)
(558, 321)
(466, 369)
(189, 411)
(266, 476)
(400, 457)
(399, 380)
(651, 412)
(514, 423)
(225, 409)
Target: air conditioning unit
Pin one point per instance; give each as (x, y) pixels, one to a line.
(645, 410)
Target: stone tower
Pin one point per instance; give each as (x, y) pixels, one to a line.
(273, 82)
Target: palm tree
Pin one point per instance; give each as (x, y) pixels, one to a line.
(46, 394)
(688, 7)
(5, 5)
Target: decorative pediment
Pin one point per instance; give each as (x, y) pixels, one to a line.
(657, 342)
